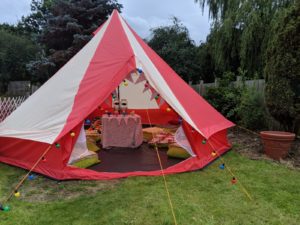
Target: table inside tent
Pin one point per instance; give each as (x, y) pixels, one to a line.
(121, 131)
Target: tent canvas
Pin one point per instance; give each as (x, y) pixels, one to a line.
(60, 106)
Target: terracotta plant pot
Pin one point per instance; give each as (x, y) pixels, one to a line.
(277, 143)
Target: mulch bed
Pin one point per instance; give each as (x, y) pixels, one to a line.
(249, 144)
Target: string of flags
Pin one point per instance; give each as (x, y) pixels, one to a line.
(147, 87)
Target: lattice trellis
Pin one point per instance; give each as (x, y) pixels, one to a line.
(8, 105)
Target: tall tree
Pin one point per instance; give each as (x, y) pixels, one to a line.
(175, 46)
(68, 27)
(33, 24)
(283, 68)
(241, 31)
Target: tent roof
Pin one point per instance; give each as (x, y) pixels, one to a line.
(90, 77)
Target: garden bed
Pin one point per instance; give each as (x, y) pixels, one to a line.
(248, 143)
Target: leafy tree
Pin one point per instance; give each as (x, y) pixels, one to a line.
(240, 32)
(65, 26)
(34, 23)
(175, 46)
(15, 52)
(207, 71)
(283, 68)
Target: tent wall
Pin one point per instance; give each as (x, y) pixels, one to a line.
(25, 153)
(217, 142)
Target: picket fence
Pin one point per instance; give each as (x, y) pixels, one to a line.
(9, 104)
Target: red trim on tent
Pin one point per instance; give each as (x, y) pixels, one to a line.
(24, 153)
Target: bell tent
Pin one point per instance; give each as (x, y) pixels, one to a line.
(49, 124)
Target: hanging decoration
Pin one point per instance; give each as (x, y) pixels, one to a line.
(156, 97)
(129, 78)
(180, 120)
(5, 208)
(146, 87)
(88, 122)
(44, 159)
(125, 83)
(168, 109)
(213, 153)
(57, 145)
(233, 180)
(222, 166)
(140, 79)
(114, 95)
(31, 177)
(203, 141)
(17, 194)
(153, 95)
(72, 134)
(139, 70)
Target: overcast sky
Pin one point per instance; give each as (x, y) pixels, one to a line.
(142, 15)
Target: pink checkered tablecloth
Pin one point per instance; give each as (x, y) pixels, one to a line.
(121, 131)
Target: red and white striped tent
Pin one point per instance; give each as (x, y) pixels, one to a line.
(84, 83)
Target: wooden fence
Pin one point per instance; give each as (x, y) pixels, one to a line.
(9, 104)
(258, 85)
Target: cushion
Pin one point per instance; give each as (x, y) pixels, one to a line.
(86, 162)
(92, 146)
(150, 132)
(175, 151)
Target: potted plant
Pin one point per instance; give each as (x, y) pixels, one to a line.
(277, 143)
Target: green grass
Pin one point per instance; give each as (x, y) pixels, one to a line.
(203, 197)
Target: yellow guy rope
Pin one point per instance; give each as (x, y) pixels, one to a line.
(230, 171)
(26, 175)
(163, 174)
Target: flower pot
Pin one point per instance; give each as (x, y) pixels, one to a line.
(277, 143)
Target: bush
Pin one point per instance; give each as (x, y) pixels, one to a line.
(252, 110)
(226, 97)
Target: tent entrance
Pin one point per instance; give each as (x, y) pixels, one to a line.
(152, 110)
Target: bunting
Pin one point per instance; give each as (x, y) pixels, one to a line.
(129, 78)
(141, 78)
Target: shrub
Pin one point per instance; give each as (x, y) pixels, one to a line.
(252, 110)
(226, 97)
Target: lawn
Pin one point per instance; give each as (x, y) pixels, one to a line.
(202, 197)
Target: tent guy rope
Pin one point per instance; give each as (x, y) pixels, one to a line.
(231, 172)
(27, 174)
(163, 175)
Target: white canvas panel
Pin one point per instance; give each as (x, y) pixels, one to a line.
(80, 149)
(43, 115)
(134, 94)
(182, 141)
(154, 77)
